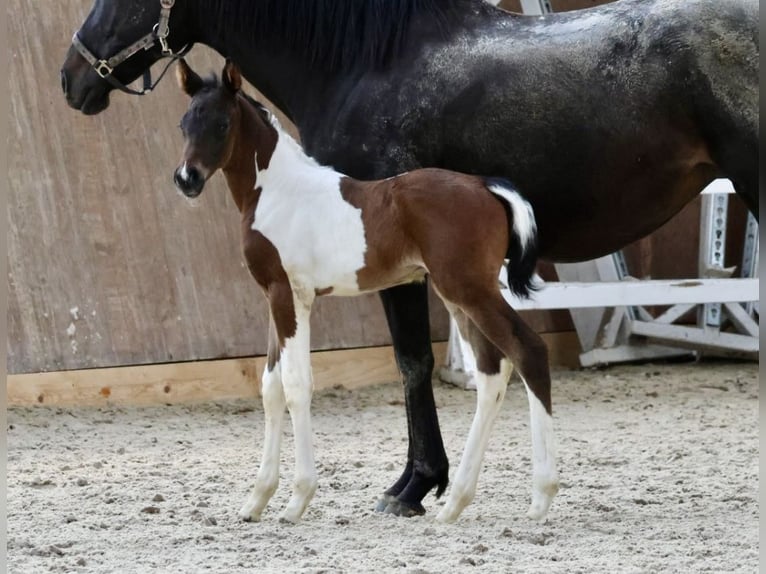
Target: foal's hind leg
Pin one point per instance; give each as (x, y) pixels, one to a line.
(273, 411)
(503, 326)
(493, 373)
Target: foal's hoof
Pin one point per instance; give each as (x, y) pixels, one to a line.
(246, 514)
(384, 501)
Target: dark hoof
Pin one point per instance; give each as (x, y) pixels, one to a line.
(399, 508)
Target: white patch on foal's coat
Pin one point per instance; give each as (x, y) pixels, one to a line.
(490, 391)
(545, 477)
(318, 234)
(524, 223)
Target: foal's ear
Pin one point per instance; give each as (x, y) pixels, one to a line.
(232, 77)
(187, 78)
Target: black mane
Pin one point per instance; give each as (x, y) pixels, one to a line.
(334, 34)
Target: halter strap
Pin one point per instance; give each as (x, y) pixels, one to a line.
(159, 33)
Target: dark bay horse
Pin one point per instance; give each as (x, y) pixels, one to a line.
(308, 230)
(609, 119)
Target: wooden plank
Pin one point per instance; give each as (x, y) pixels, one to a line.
(198, 381)
(674, 313)
(741, 320)
(698, 339)
(621, 293)
(226, 379)
(629, 353)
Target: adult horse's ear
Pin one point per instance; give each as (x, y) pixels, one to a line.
(232, 77)
(187, 78)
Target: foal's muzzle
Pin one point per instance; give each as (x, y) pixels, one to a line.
(189, 180)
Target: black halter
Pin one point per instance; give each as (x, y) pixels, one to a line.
(159, 33)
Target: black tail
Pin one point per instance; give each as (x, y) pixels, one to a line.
(522, 250)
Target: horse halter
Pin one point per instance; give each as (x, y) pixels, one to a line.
(159, 34)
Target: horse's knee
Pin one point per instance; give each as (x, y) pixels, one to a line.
(296, 383)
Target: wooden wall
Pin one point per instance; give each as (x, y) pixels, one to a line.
(108, 265)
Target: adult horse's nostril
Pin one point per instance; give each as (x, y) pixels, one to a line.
(63, 82)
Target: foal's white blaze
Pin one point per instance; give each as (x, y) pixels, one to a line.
(524, 223)
(490, 391)
(268, 474)
(184, 172)
(319, 236)
(545, 477)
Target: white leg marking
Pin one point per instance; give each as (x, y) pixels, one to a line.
(490, 391)
(268, 474)
(545, 477)
(298, 385)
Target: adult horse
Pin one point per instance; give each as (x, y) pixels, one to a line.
(609, 120)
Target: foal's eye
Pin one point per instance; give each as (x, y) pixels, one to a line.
(223, 126)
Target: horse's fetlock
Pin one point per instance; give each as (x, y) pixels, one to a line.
(306, 485)
(462, 497)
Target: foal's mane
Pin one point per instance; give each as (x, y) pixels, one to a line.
(334, 34)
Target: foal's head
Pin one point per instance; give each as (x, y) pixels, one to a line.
(219, 120)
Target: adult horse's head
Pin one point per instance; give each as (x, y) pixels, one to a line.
(118, 42)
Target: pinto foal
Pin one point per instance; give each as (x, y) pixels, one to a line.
(309, 230)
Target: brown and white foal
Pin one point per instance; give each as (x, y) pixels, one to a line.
(309, 230)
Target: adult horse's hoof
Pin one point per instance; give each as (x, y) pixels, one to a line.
(399, 508)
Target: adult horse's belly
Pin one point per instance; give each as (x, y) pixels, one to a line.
(598, 221)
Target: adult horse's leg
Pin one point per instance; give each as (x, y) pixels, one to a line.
(427, 466)
(493, 372)
(274, 412)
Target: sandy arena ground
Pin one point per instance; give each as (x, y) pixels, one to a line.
(659, 468)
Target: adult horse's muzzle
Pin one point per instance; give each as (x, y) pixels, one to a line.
(189, 180)
(84, 89)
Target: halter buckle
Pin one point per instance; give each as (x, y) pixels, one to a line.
(164, 43)
(103, 69)
(162, 38)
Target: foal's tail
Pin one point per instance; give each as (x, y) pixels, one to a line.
(522, 234)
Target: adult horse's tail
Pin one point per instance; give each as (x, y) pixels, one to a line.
(522, 236)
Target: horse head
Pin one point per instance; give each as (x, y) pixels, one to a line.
(210, 125)
(118, 42)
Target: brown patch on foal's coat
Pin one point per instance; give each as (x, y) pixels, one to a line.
(401, 224)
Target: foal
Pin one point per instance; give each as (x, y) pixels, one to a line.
(309, 230)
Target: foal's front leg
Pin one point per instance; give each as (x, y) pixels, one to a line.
(298, 387)
(274, 412)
